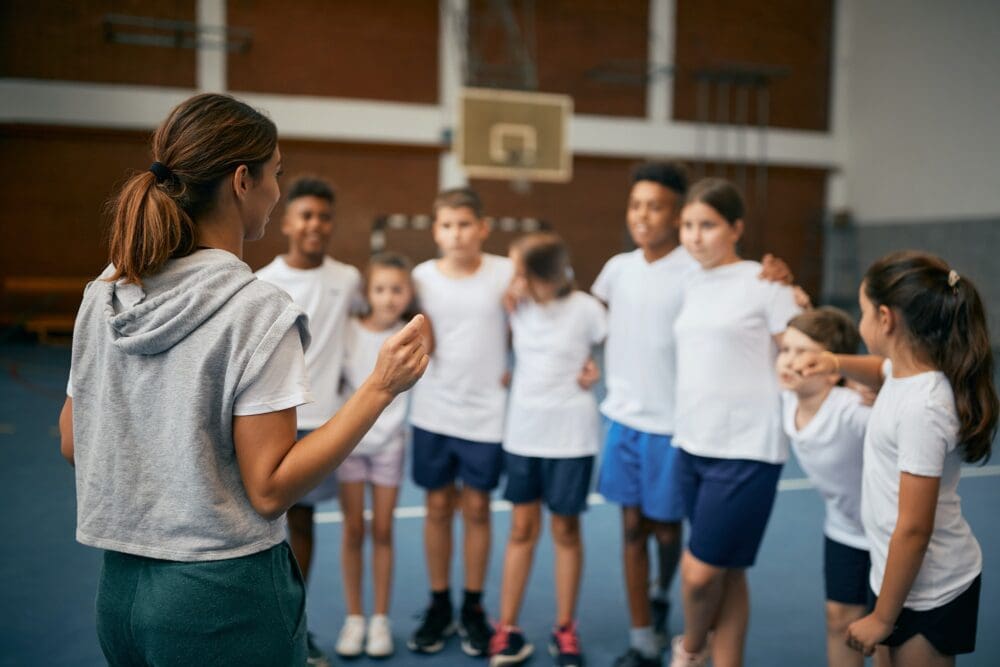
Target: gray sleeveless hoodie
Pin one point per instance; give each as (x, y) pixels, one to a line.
(156, 371)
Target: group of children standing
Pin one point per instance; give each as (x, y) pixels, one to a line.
(712, 366)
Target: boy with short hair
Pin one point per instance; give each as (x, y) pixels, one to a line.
(642, 290)
(457, 412)
(328, 291)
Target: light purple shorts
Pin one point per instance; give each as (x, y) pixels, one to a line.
(381, 468)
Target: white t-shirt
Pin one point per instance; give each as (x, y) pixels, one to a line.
(639, 362)
(549, 414)
(914, 429)
(461, 394)
(829, 449)
(361, 348)
(328, 294)
(282, 383)
(728, 399)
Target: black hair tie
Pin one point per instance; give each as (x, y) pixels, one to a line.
(161, 172)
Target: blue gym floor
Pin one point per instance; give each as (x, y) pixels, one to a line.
(48, 580)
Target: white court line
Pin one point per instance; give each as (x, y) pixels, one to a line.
(797, 484)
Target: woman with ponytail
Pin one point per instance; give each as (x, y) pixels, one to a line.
(926, 329)
(180, 410)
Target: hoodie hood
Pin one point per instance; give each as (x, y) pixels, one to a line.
(168, 306)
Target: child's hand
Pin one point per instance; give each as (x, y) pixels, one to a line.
(516, 292)
(808, 364)
(505, 378)
(866, 633)
(589, 375)
(402, 359)
(802, 299)
(775, 270)
(868, 394)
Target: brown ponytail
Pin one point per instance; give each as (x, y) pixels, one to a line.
(203, 140)
(946, 321)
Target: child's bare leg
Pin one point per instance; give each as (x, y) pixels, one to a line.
(669, 549)
(918, 652)
(300, 536)
(702, 586)
(437, 535)
(636, 565)
(568, 565)
(352, 504)
(476, 524)
(525, 525)
(732, 620)
(383, 504)
(838, 617)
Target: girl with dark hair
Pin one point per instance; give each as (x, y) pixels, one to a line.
(926, 329)
(728, 422)
(180, 410)
(550, 441)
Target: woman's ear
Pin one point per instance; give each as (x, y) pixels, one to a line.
(241, 181)
(738, 227)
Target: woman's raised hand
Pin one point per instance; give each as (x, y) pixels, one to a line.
(403, 358)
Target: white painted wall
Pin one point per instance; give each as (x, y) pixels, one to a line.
(923, 109)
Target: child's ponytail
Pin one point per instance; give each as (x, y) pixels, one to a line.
(148, 227)
(966, 359)
(203, 140)
(946, 321)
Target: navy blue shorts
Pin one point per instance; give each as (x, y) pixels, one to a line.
(950, 628)
(845, 570)
(637, 470)
(562, 483)
(728, 502)
(438, 460)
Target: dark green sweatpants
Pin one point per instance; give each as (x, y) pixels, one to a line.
(240, 611)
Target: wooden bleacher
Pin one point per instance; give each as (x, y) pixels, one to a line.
(43, 305)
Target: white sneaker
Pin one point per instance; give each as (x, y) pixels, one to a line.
(679, 657)
(350, 641)
(379, 644)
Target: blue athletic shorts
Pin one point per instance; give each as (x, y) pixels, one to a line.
(728, 502)
(637, 470)
(438, 460)
(845, 571)
(562, 483)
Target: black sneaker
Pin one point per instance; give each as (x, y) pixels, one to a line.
(435, 627)
(565, 646)
(659, 610)
(475, 631)
(508, 647)
(633, 658)
(315, 657)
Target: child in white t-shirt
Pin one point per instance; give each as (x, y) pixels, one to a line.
(457, 413)
(937, 407)
(643, 292)
(728, 421)
(376, 461)
(551, 438)
(826, 425)
(328, 291)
